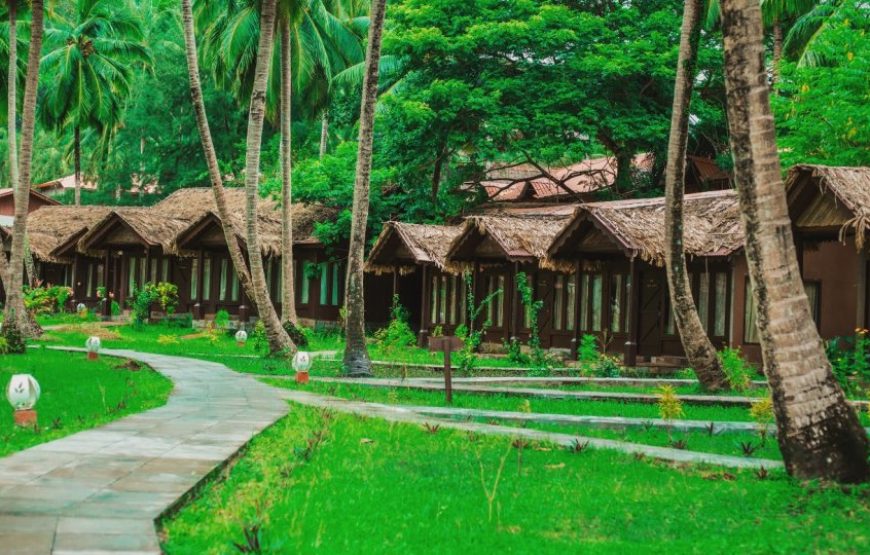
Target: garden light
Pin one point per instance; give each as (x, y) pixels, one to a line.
(82, 310)
(93, 345)
(241, 338)
(23, 393)
(301, 364)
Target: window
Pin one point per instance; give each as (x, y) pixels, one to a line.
(617, 295)
(495, 292)
(164, 270)
(670, 325)
(456, 296)
(222, 285)
(703, 300)
(720, 304)
(558, 301)
(206, 279)
(89, 290)
(194, 278)
(584, 302)
(305, 290)
(324, 282)
(100, 282)
(336, 283)
(153, 278)
(571, 289)
(596, 301)
(813, 290)
(131, 278)
(750, 319)
(234, 283)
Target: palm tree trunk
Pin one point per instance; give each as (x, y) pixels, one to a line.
(273, 325)
(818, 433)
(356, 356)
(11, 108)
(279, 341)
(699, 350)
(77, 162)
(324, 132)
(14, 295)
(777, 50)
(288, 296)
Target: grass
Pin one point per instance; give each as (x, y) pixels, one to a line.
(77, 394)
(337, 483)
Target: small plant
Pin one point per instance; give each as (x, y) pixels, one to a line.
(711, 429)
(222, 319)
(166, 295)
(539, 360)
(398, 333)
(850, 360)
(670, 405)
(251, 542)
(762, 413)
(686, 374)
(258, 337)
(167, 340)
(140, 304)
(748, 448)
(471, 336)
(515, 352)
(431, 428)
(298, 334)
(762, 473)
(738, 372)
(608, 367)
(578, 446)
(437, 331)
(679, 444)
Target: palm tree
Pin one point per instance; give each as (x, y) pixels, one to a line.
(11, 108)
(356, 356)
(15, 313)
(278, 339)
(314, 42)
(699, 350)
(818, 432)
(91, 59)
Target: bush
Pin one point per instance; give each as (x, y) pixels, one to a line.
(398, 333)
(297, 333)
(738, 372)
(849, 360)
(587, 351)
(12, 338)
(45, 300)
(166, 294)
(515, 352)
(140, 304)
(222, 319)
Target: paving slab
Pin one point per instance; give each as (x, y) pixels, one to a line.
(101, 490)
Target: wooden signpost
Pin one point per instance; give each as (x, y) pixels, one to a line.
(447, 344)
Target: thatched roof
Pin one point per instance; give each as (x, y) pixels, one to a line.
(50, 227)
(152, 227)
(516, 239)
(711, 227)
(305, 216)
(402, 246)
(807, 184)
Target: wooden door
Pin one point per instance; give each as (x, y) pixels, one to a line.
(653, 290)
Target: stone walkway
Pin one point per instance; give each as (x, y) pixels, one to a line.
(100, 491)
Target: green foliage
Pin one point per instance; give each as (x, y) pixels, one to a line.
(222, 319)
(540, 361)
(167, 296)
(515, 352)
(593, 362)
(45, 300)
(140, 301)
(258, 336)
(588, 351)
(13, 339)
(850, 360)
(822, 110)
(299, 334)
(398, 333)
(470, 334)
(738, 372)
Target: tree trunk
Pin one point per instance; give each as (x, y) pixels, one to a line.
(288, 296)
(356, 356)
(818, 432)
(699, 350)
(324, 133)
(273, 325)
(279, 341)
(14, 294)
(777, 50)
(77, 162)
(11, 109)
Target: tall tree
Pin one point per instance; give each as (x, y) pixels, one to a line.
(699, 350)
(278, 339)
(14, 295)
(356, 356)
(288, 294)
(92, 58)
(819, 434)
(11, 109)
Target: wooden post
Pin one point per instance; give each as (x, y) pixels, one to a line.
(427, 294)
(107, 301)
(447, 344)
(630, 358)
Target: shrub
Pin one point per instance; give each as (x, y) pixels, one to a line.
(471, 336)
(297, 333)
(587, 351)
(738, 372)
(539, 360)
(608, 366)
(398, 333)
(44, 300)
(849, 360)
(166, 294)
(670, 406)
(258, 335)
(515, 352)
(140, 304)
(222, 319)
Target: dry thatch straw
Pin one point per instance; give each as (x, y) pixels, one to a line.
(515, 239)
(711, 226)
(850, 187)
(52, 226)
(401, 247)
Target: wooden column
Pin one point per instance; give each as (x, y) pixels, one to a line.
(513, 327)
(579, 304)
(630, 358)
(424, 312)
(107, 301)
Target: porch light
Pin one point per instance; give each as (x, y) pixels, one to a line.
(23, 393)
(301, 364)
(241, 338)
(93, 345)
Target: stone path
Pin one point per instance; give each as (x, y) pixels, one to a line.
(541, 393)
(100, 491)
(396, 413)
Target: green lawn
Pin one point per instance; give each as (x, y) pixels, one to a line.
(335, 483)
(77, 394)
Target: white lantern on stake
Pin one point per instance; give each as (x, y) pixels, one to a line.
(23, 393)
(93, 345)
(82, 310)
(301, 364)
(241, 338)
